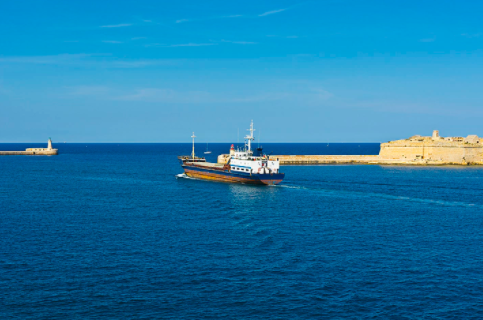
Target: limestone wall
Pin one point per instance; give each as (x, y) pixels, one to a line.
(323, 159)
(447, 151)
(44, 152)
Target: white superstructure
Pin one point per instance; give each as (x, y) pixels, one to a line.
(244, 161)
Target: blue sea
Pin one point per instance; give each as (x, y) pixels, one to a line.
(113, 231)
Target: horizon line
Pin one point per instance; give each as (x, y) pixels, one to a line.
(181, 142)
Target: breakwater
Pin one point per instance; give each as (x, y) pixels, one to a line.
(325, 159)
(29, 153)
(49, 151)
(363, 159)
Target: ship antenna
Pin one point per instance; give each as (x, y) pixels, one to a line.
(193, 152)
(250, 137)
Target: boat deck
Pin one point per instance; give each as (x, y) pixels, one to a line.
(206, 165)
(209, 164)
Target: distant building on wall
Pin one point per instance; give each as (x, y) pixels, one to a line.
(472, 139)
(436, 135)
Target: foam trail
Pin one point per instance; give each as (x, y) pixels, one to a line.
(342, 193)
(289, 186)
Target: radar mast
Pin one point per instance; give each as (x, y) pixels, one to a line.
(250, 137)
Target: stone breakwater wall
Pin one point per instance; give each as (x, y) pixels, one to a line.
(52, 152)
(364, 159)
(323, 159)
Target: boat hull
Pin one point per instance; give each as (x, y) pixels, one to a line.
(226, 176)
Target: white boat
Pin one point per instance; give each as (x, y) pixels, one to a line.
(242, 166)
(207, 152)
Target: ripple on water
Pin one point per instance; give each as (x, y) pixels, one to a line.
(119, 232)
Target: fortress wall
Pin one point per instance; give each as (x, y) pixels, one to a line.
(474, 155)
(401, 152)
(447, 152)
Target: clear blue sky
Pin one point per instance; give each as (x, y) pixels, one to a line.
(314, 71)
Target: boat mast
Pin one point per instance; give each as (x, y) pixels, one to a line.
(193, 152)
(250, 137)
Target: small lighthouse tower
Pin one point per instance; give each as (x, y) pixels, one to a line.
(49, 151)
(193, 152)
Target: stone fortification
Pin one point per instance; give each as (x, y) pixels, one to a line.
(49, 151)
(435, 150)
(416, 150)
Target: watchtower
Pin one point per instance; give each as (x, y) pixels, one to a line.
(435, 135)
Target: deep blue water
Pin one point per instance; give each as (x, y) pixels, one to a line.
(107, 231)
